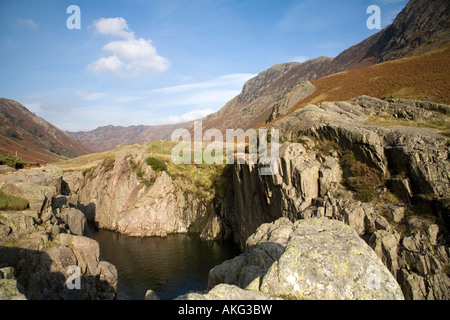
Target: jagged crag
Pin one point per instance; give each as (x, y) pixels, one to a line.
(359, 208)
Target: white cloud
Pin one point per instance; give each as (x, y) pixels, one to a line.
(138, 55)
(116, 27)
(192, 115)
(229, 80)
(27, 23)
(111, 64)
(130, 56)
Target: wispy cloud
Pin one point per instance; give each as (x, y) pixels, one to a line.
(222, 81)
(76, 110)
(189, 116)
(28, 23)
(129, 56)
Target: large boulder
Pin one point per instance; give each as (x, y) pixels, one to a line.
(315, 258)
(46, 275)
(37, 185)
(75, 220)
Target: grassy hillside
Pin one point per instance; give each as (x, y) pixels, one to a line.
(423, 77)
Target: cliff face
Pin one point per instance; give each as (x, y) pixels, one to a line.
(340, 168)
(123, 193)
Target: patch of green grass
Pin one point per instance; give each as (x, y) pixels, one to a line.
(8, 202)
(443, 125)
(156, 164)
(12, 161)
(109, 161)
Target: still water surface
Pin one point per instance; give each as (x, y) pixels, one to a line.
(169, 266)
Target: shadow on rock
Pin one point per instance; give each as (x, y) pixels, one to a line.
(69, 271)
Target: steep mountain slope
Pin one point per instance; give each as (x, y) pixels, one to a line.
(108, 137)
(23, 132)
(396, 79)
(259, 95)
(421, 26)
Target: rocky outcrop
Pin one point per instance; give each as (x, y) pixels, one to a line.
(37, 185)
(416, 154)
(418, 259)
(404, 224)
(126, 195)
(6, 169)
(314, 258)
(273, 90)
(43, 242)
(75, 220)
(45, 274)
(9, 289)
(226, 292)
(302, 178)
(298, 93)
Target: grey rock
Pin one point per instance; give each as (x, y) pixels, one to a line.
(6, 169)
(7, 273)
(226, 292)
(21, 222)
(75, 220)
(151, 295)
(381, 223)
(4, 231)
(115, 198)
(397, 213)
(10, 291)
(325, 259)
(314, 258)
(298, 93)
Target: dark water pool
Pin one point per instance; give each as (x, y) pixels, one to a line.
(169, 266)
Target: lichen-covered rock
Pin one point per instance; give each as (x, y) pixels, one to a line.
(19, 222)
(37, 185)
(316, 258)
(226, 292)
(9, 289)
(325, 259)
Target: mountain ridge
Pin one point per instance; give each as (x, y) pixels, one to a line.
(23, 132)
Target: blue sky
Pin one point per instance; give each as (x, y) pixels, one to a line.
(155, 62)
